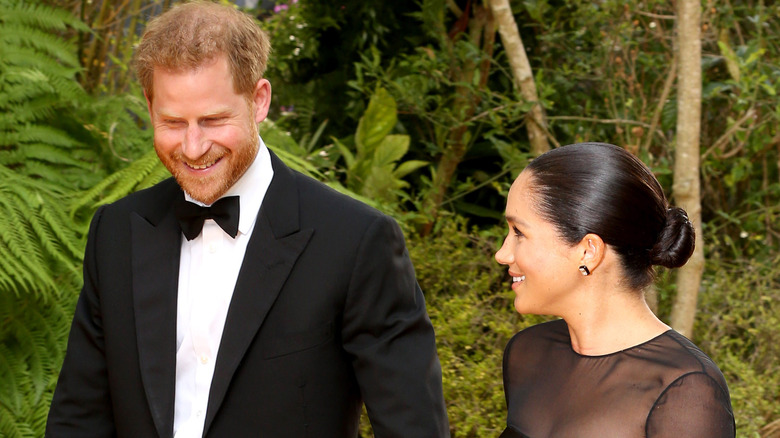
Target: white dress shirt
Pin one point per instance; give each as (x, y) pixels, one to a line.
(207, 276)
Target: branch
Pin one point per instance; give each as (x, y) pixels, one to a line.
(605, 121)
(454, 8)
(670, 76)
(719, 143)
(547, 133)
(658, 16)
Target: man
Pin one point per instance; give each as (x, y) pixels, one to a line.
(279, 325)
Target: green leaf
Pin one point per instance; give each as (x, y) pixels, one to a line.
(280, 140)
(768, 88)
(391, 149)
(731, 59)
(349, 158)
(408, 167)
(754, 56)
(379, 184)
(376, 123)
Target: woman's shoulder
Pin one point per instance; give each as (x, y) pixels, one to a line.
(539, 335)
(533, 350)
(688, 358)
(696, 386)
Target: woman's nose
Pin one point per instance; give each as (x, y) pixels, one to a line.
(504, 255)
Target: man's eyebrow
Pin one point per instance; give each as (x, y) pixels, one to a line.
(163, 112)
(218, 112)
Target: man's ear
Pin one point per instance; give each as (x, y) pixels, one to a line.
(148, 104)
(262, 99)
(591, 251)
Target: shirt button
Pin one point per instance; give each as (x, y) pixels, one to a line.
(199, 413)
(204, 360)
(212, 249)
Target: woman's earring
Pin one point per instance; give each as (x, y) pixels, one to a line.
(584, 270)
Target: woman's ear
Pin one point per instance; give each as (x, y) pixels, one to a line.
(591, 251)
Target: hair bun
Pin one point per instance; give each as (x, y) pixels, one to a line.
(675, 242)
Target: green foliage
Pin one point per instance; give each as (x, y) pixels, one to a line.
(740, 128)
(603, 67)
(471, 307)
(737, 325)
(33, 333)
(140, 174)
(316, 43)
(40, 254)
(117, 129)
(439, 93)
(470, 304)
(38, 92)
(458, 106)
(374, 170)
(301, 157)
(38, 248)
(316, 163)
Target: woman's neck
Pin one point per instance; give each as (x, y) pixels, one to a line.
(608, 321)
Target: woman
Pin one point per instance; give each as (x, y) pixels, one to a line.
(587, 222)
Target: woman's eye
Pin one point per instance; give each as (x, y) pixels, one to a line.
(518, 233)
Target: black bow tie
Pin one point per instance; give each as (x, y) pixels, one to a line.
(191, 216)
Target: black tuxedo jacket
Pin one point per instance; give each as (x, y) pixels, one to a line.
(326, 314)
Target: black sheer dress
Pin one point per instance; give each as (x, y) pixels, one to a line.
(665, 387)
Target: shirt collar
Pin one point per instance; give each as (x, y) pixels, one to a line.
(250, 188)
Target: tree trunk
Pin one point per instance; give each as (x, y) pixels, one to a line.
(686, 189)
(521, 71)
(481, 30)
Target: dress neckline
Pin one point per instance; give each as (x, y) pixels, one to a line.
(614, 353)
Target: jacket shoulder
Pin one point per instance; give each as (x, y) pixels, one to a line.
(151, 202)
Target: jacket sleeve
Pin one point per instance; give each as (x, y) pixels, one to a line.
(389, 336)
(81, 405)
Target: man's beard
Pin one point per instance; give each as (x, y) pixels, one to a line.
(209, 189)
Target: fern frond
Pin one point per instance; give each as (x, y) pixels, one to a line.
(33, 334)
(21, 57)
(42, 41)
(143, 172)
(9, 398)
(23, 263)
(37, 240)
(157, 174)
(43, 76)
(38, 92)
(52, 154)
(41, 15)
(37, 107)
(9, 158)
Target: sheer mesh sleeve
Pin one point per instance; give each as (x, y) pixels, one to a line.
(695, 405)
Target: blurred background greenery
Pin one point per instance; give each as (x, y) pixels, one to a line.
(411, 106)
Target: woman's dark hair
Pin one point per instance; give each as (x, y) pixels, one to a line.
(602, 189)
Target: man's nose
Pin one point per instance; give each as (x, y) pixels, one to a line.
(194, 144)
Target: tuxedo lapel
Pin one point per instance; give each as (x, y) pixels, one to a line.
(155, 264)
(276, 243)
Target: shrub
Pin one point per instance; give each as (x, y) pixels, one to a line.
(738, 324)
(471, 307)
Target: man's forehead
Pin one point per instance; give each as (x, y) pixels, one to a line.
(185, 68)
